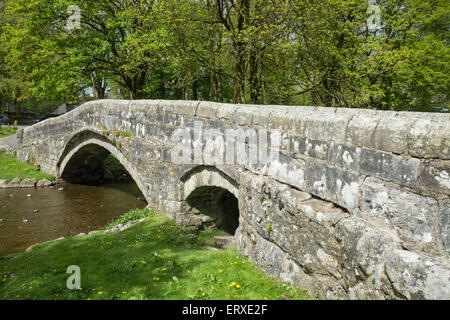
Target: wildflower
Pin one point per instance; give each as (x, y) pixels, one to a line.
(100, 292)
(238, 286)
(124, 292)
(220, 271)
(203, 294)
(164, 269)
(157, 269)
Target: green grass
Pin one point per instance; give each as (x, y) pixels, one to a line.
(135, 214)
(11, 168)
(152, 260)
(5, 131)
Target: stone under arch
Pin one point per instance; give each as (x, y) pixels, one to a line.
(210, 198)
(91, 148)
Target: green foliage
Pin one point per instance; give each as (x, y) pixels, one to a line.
(132, 215)
(260, 51)
(5, 131)
(111, 163)
(269, 227)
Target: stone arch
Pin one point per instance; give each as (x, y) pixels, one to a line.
(91, 141)
(210, 197)
(208, 176)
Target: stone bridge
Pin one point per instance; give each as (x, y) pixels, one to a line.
(347, 203)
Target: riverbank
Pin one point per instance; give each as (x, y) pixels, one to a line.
(154, 259)
(13, 173)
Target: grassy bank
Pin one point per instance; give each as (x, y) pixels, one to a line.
(154, 259)
(5, 131)
(11, 168)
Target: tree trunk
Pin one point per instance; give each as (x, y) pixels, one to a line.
(99, 88)
(255, 86)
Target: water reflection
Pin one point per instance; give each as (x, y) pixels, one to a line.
(51, 214)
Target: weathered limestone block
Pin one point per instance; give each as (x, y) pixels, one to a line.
(323, 126)
(444, 227)
(287, 170)
(14, 182)
(418, 276)
(389, 167)
(429, 139)
(205, 110)
(332, 184)
(44, 183)
(391, 135)
(435, 176)
(277, 263)
(344, 156)
(361, 130)
(412, 214)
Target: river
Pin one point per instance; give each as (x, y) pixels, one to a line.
(30, 216)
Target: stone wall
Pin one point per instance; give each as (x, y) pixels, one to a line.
(356, 205)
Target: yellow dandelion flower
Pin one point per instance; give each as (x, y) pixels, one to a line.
(203, 294)
(238, 286)
(164, 269)
(124, 292)
(100, 292)
(220, 270)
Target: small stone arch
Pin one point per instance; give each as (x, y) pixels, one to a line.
(89, 140)
(210, 198)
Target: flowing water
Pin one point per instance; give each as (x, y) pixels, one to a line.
(30, 216)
